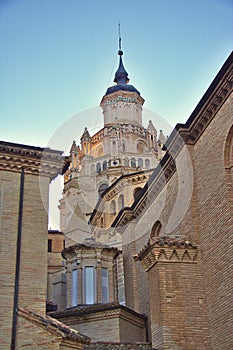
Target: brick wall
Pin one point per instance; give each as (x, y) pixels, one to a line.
(33, 251)
(33, 269)
(178, 308)
(27, 339)
(194, 204)
(216, 226)
(10, 183)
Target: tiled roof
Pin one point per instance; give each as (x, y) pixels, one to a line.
(85, 309)
(55, 232)
(52, 325)
(88, 243)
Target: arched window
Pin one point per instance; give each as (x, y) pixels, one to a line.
(100, 152)
(92, 168)
(140, 162)
(133, 162)
(140, 147)
(89, 284)
(104, 165)
(102, 222)
(228, 160)
(121, 203)
(157, 230)
(102, 188)
(126, 161)
(98, 167)
(113, 208)
(137, 192)
(74, 288)
(147, 163)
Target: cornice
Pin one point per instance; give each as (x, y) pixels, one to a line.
(124, 128)
(167, 250)
(34, 160)
(78, 249)
(122, 94)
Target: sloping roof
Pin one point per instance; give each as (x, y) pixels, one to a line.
(81, 310)
(53, 326)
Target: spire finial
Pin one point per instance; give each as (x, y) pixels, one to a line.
(120, 52)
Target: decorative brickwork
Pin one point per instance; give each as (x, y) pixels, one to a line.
(167, 249)
(117, 346)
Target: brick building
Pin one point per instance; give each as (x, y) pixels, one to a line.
(148, 247)
(25, 174)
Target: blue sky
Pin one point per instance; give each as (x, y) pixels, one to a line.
(59, 56)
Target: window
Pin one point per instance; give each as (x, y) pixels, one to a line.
(100, 152)
(147, 163)
(140, 147)
(157, 230)
(102, 188)
(113, 208)
(92, 168)
(133, 163)
(98, 167)
(140, 162)
(89, 285)
(105, 165)
(104, 283)
(50, 245)
(137, 192)
(121, 203)
(102, 222)
(74, 290)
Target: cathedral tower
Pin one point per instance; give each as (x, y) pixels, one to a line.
(123, 146)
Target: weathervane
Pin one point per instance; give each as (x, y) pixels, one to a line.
(120, 52)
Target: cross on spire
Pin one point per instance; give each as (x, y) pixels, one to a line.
(120, 52)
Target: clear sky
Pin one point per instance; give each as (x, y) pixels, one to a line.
(58, 57)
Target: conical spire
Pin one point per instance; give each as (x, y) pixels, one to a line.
(151, 127)
(85, 136)
(121, 76)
